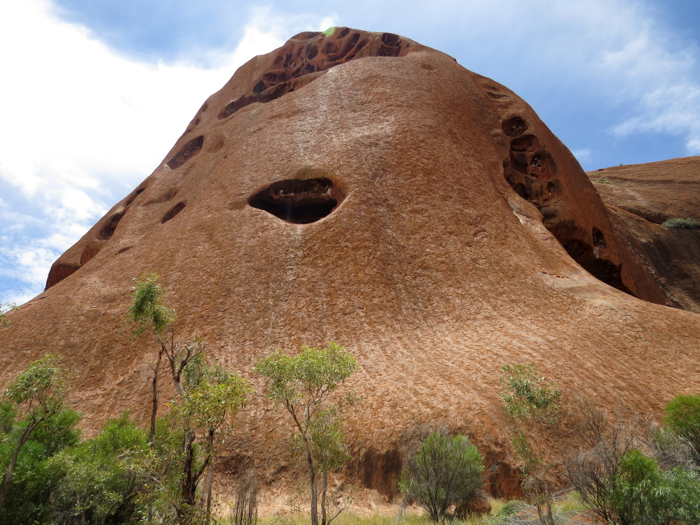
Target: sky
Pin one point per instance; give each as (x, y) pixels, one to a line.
(94, 93)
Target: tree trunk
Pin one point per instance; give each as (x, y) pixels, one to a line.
(11, 467)
(209, 486)
(324, 490)
(314, 489)
(154, 407)
(189, 484)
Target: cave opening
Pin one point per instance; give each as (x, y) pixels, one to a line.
(298, 201)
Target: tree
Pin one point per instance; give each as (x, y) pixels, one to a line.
(329, 448)
(210, 397)
(97, 481)
(28, 497)
(683, 417)
(531, 400)
(149, 314)
(40, 393)
(304, 386)
(445, 471)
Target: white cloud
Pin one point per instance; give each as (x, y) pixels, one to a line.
(80, 122)
(582, 155)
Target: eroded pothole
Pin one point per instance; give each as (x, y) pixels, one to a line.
(299, 201)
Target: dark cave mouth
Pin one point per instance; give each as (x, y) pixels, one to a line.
(298, 201)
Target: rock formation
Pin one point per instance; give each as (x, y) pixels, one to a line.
(362, 188)
(640, 198)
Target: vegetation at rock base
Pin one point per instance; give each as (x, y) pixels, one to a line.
(443, 472)
(683, 417)
(627, 472)
(533, 403)
(207, 397)
(303, 385)
(687, 224)
(38, 394)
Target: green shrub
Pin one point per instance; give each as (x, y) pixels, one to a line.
(642, 493)
(28, 497)
(445, 471)
(688, 224)
(683, 417)
(95, 482)
(527, 395)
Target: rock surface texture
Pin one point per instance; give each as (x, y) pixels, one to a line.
(640, 198)
(362, 188)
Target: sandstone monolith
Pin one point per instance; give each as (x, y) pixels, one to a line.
(365, 189)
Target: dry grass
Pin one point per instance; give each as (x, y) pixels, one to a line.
(567, 510)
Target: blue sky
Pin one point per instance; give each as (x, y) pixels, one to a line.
(95, 92)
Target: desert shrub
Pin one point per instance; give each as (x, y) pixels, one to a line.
(443, 472)
(593, 468)
(28, 496)
(533, 403)
(642, 493)
(683, 417)
(95, 481)
(528, 396)
(688, 224)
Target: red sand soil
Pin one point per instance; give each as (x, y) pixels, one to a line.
(365, 189)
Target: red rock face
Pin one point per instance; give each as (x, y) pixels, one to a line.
(639, 198)
(416, 213)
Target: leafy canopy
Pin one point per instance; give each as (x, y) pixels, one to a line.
(527, 395)
(147, 308)
(41, 388)
(445, 471)
(211, 394)
(683, 417)
(305, 379)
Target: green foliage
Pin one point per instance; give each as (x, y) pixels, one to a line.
(527, 395)
(531, 400)
(217, 395)
(306, 379)
(41, 388)
(603, 180)
(303, 385)
(146, 308)
(28, 498)
(688, 224)
(97, 481)
(328, 442)
(683, 417)
(641, 493)
(39, 394)
(445, 471)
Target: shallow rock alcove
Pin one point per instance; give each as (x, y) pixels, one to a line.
(298, 201)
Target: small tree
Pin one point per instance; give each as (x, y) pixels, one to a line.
(303, 385)
(683, 417)
(330, 451)
(445, 471)
(40, 393)
(149, 314)
(210, 397)
(531, 400)
(206, 396)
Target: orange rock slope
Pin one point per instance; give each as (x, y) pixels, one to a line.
(362, 188)
(640, 198)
